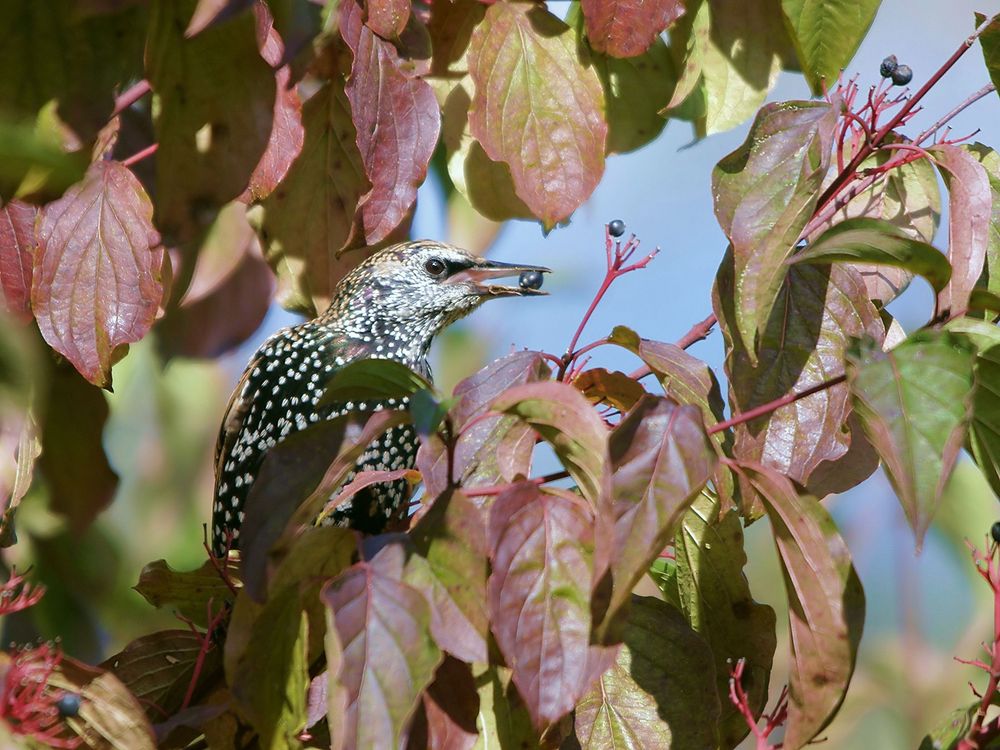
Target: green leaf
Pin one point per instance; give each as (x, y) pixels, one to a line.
(212, 128)
(715, 598)
(188, 592)
(503, 720)
(35, 164)
(659, 693)
(915, 402)
(427, 412)
(615, 389)
(984, 430)
(877, 241)
(826, 604)
(949, 733)
(764, 192)
(564, 418)
(826, 34)
(990, 42)
(372, 380)
(537, 108)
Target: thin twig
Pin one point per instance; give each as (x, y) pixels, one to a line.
(788, 398)
(148, 151)
(130, 96)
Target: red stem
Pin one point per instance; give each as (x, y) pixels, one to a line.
(499, 488)
(148, 151)
(788, 398)
(130, 96)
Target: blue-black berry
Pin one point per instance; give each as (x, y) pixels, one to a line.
(68, 704)
(902, 75)
(531, 280)
(995, 532)
(616, 228)
(888, 66)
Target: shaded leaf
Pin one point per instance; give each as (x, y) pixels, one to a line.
(826, 604)
(372, 380)
(970, 206)
(451, 705)
(989, 40)
(826, 36)
(503, 720)
(661, 690)
(187, 592)
(397, 124)
(537, 108)
(850, 469)
(19, 440)
(764, 193)
(308, 223)
(984, 430)
(715, 598)
(34, 165)
(627, 28)
(662, 459)
(212, 12)
(96, 282)
(388, 655)
(387, 18)
(211, 129)
(914, 402)
(17, 243)
(615, 389)
(539, 594)
(563, 417)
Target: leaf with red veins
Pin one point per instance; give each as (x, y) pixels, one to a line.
(17, 238)
(388, 18)
(970, 206)
(626, 28)
(96, 279)
(538, 108)
(539, 594)
(397, 121)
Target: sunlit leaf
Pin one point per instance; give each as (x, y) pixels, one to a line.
(764, 193)
(826, 34)
(17, 242)
(539, 595)
(387, 18)
(388, 654)
(970, 207)
(990, 160)
(949, 733)
(503, 718)
(715, 598)
(187, 592)
(537, 108)
(212, 129)
(96, 282)
(627, 28)
(659, 693)
(826, 604)
(914, 402)
(397, 123)
(990, 43)
(611, 388)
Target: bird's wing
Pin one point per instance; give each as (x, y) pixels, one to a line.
(236, 411)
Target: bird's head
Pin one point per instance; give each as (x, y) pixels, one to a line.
(415, 289)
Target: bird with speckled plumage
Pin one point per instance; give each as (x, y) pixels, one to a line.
(390, 307)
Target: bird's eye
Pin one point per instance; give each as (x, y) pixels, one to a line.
(435, 267)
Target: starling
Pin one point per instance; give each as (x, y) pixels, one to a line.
(390, 307)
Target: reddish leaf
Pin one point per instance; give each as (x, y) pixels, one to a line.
(387, 18)
(397, 121)
(764, 192)
(626, 28)
(309, 221)
(451, 536)
(96, 281)
(542, 547)
(563, 417)
(826, 611)
(537, 108)
(662, 459)
(450, 27)
(615, 389)
(17, 242)
(388, 657)
(451, 705)
(210, 12)
(970, 206)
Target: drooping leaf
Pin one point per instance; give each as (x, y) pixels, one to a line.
(984, 430)
(539, 596)
(96, 282)
(627, 28)
(877, 242)
(611, 388)
(397, 123)
(17, 242)
(451, 537)
(563, 417)
(715, 598)
(662, 459)
(212, 129)
(826, 34)
(689, 39)
(819, 310)
(187, 592)
(388, 656)
(970, 207)
(308, 224)
(826, 604)
(989, 40)
(537, 108)
(764, 193)
(19, 440)
(659, 693)
(372, 380)
(914, 402)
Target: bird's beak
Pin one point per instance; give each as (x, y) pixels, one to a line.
(485, 271)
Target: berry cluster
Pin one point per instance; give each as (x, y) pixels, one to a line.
(900, 74)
